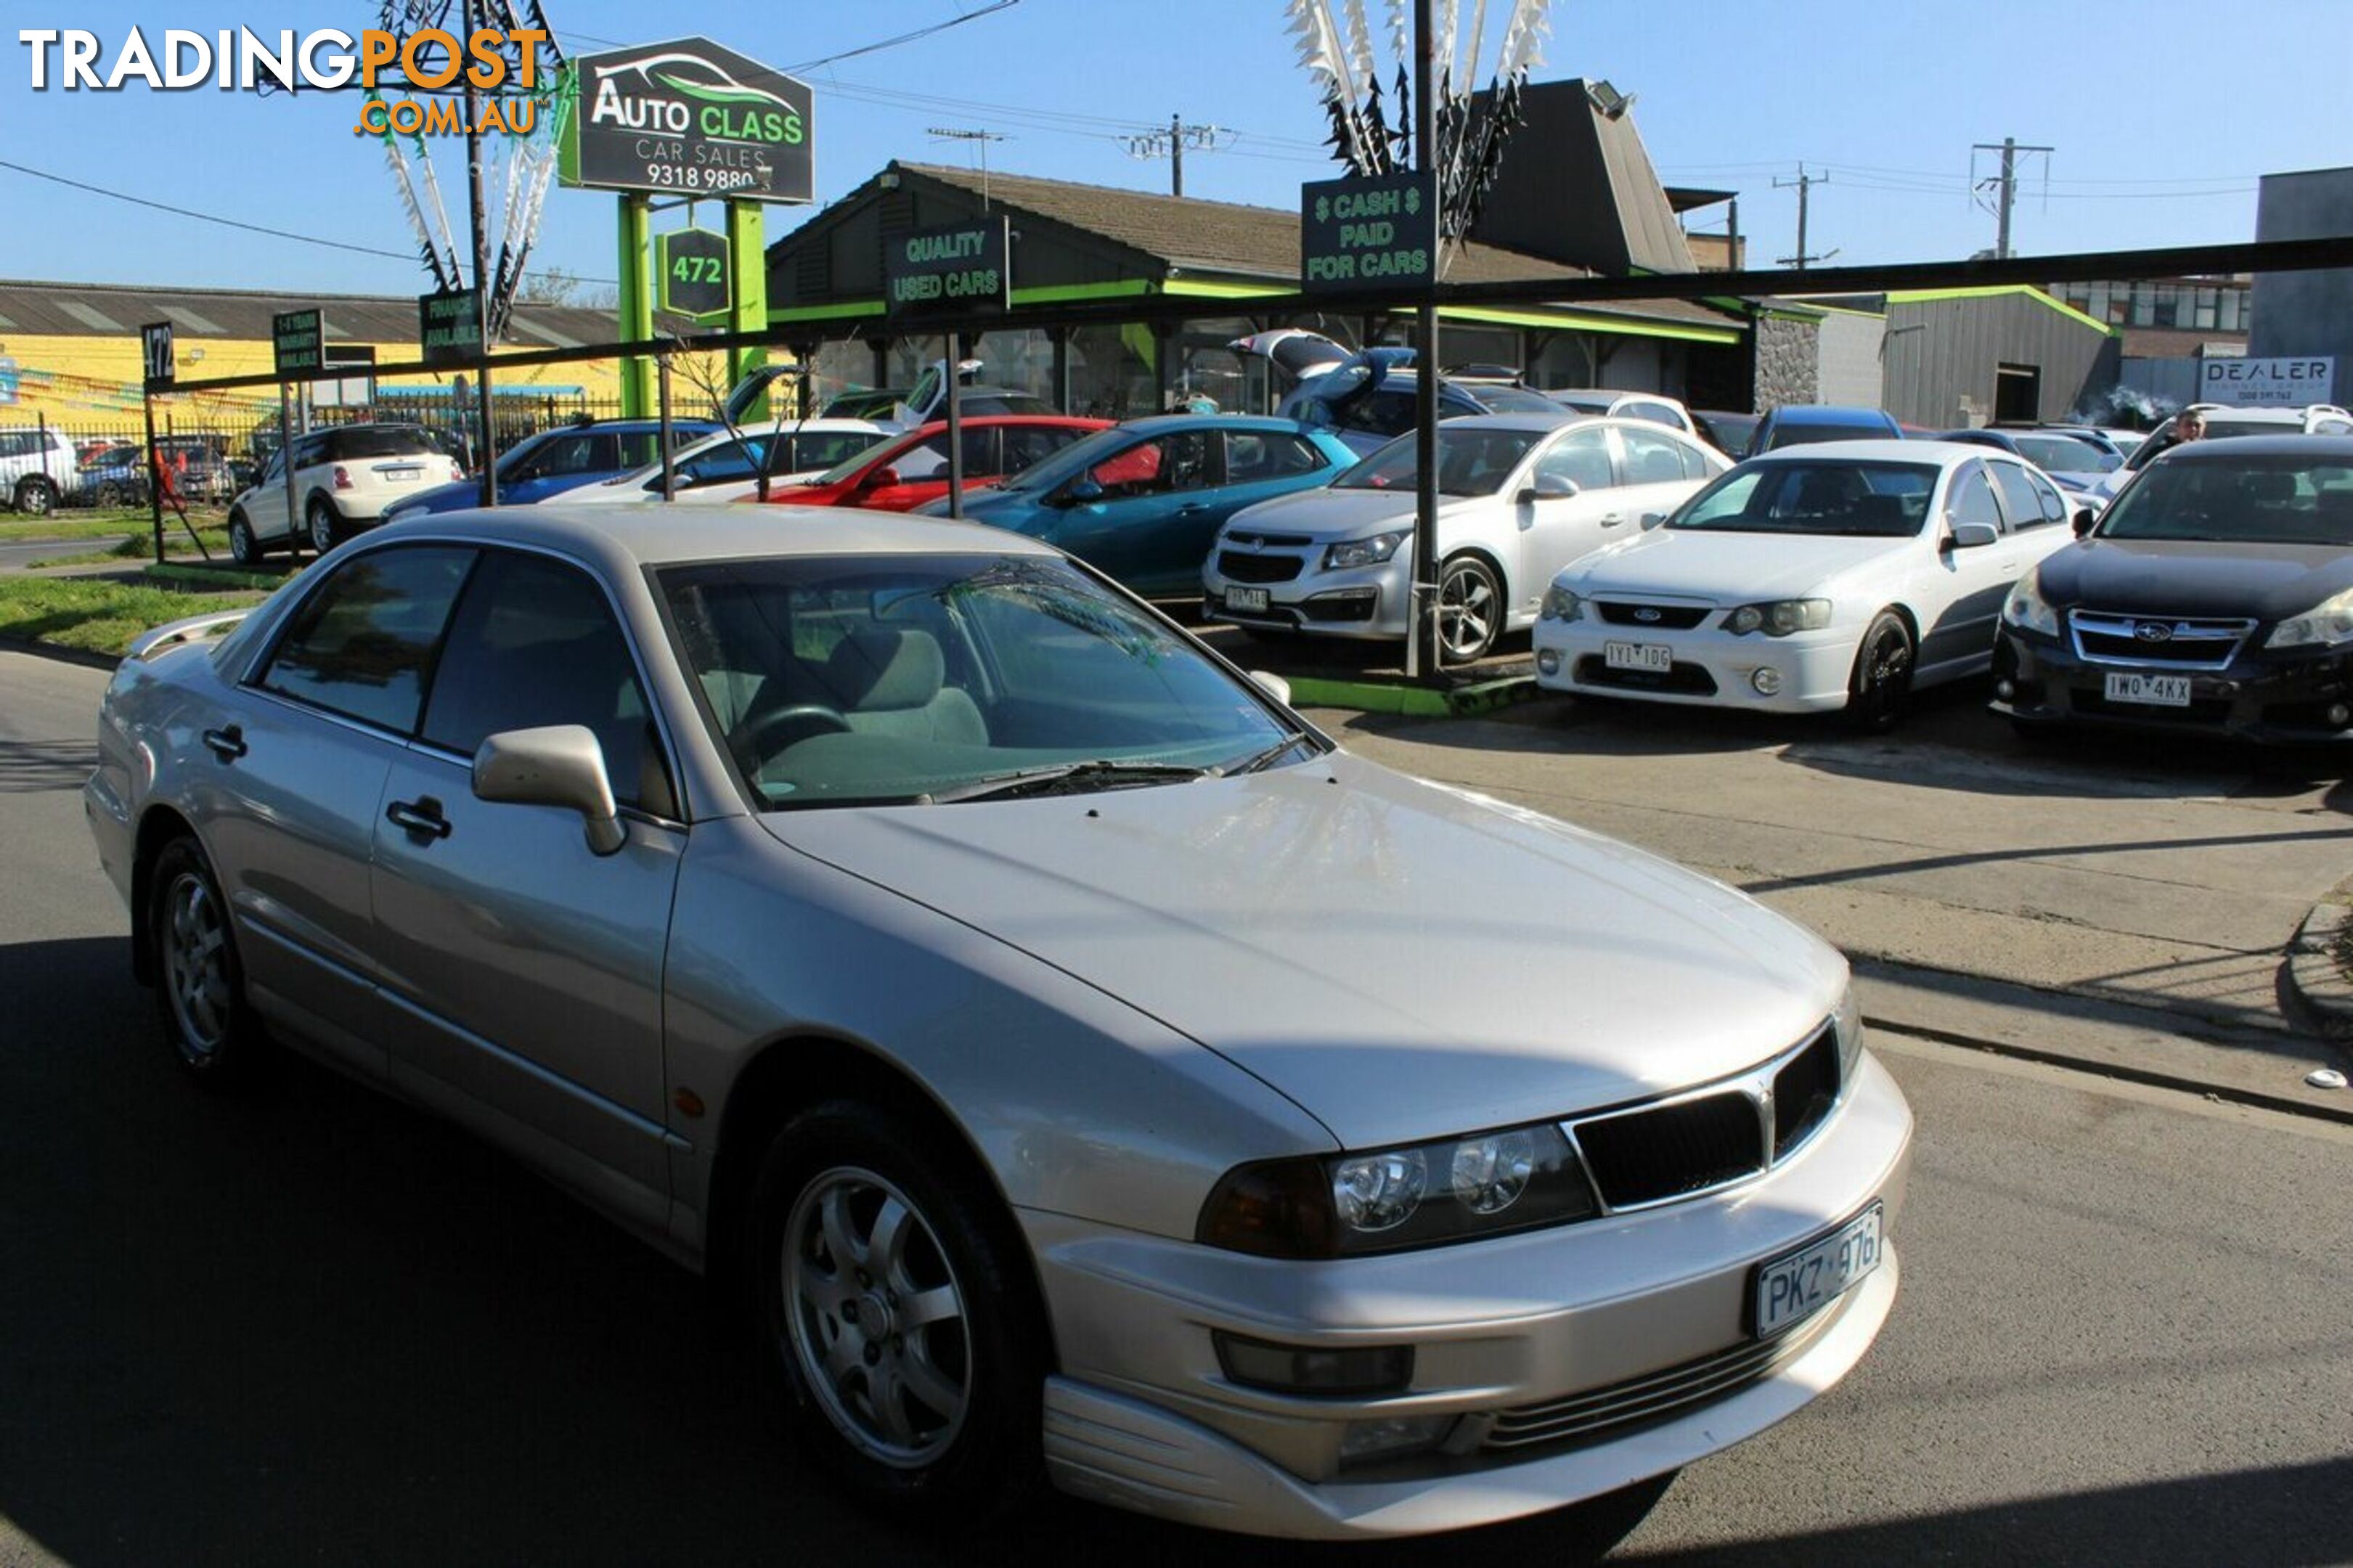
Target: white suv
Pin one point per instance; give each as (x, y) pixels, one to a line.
(37, 466)
(344, 478)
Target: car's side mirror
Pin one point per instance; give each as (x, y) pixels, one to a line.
(560, 764)
(1082, 492)
(1972, 535)
(1274, 686)
(2085, 519)
(1549, 486)
(1651, 520)
(876, 479)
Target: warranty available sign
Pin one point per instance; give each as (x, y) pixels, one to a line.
(688, 117)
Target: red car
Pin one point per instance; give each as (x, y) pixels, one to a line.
(903, 474)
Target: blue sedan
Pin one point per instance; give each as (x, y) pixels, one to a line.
(566, 457)
(1143, 502)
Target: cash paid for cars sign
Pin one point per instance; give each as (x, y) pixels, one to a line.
(963, 267)
(1369, 235)
(689, 117)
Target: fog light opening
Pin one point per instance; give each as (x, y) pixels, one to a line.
(1548, 661)
(2339, 715)
(1366, 1441)
(1767, 682)
(2005, 690)
(1300, 1369)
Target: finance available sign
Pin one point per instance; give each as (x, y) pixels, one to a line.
(965, 267)
(688, 117)
(2288, 382)
(450, 326)
(1370, 234)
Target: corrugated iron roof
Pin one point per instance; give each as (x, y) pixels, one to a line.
(108, 310)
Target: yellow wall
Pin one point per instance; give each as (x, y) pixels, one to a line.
(87, 384)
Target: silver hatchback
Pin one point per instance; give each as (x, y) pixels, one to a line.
(1076, 1065)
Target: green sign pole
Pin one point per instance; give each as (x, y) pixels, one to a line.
(747, 236)
(637, 303)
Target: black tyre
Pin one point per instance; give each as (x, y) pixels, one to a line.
(896, 1313)
(109, 494)
(243, 548)
(323, 524)
(1471, 609)
(199, 983)
(1881, 687)
(36, 496)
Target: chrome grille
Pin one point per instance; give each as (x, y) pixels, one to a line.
(2174, 642)
(1600, 1412)
(1714, 1136)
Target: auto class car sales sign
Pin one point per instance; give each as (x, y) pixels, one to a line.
(686, 116)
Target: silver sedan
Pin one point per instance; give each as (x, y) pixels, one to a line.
(1075, 1065)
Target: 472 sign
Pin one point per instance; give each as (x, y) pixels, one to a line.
(696, 278)
(155, 362)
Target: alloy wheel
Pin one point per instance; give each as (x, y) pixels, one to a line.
(195, 965)
(1470, 611)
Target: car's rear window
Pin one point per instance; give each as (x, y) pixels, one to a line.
(382, 443)
(1796, 435)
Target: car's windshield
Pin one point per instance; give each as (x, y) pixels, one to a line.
(2064, 454)
(1871, 500)
(2282, 499)
(852, 466)
(907, 679)
(1470, 462)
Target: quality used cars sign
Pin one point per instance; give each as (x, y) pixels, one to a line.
(687, 116)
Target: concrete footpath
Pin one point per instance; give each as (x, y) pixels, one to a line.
(2125, 906)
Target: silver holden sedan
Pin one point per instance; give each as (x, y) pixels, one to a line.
(1076, 1065)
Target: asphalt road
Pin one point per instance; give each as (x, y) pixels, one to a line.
(310, 1325)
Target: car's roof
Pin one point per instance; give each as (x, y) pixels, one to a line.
(1829, 414)
(2227, 448)
(1890, 450)
(624, 538)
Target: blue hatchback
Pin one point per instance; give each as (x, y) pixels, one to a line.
(1141, 502)
(563, 458)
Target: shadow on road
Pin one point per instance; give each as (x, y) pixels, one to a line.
(28, 766)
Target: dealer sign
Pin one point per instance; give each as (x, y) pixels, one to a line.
(686, 118)
(964, 268)
(2267, 383)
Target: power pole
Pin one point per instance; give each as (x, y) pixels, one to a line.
(980, 138)
(1803, 184)
(1171, 144)
(2005, 185)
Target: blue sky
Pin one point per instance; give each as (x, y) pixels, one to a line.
(2162, 112)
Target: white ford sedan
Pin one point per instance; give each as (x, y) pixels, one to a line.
(1519, 496)
(1813, 578)
(1073, 1065)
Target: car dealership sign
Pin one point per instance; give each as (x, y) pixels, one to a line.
(688, 118)
(2267, 383)
(1376, 233)
(957, 270)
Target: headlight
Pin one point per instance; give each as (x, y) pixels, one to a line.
(1363, 552)
(1487, 1184)
(1848, 1022)
(1779, 618)
(2027, 608)
(2330, 621)
(1560, 605)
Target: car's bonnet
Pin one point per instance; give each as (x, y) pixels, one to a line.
(1329, 514)
(1726, 568)
(1402, 959)
(2269, 582)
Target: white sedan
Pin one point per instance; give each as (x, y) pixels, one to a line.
(1814, 578)
(724, 466)
(1520, 496)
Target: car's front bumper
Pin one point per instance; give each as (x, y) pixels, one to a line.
(1357, 602)
(1808, 671)
(2283, 697)
(1643, 1311)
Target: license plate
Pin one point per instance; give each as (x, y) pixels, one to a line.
(1794, 1286)
(2160, 690)
(402, 475)
(1656, 656)
(1246, 598)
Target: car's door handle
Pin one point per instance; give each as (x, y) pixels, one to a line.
(1612, 519)
(1191, 509)
(421, 816)
(227, 743)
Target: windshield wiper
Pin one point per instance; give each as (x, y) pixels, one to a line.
(1260, 759)
(1061, 778)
